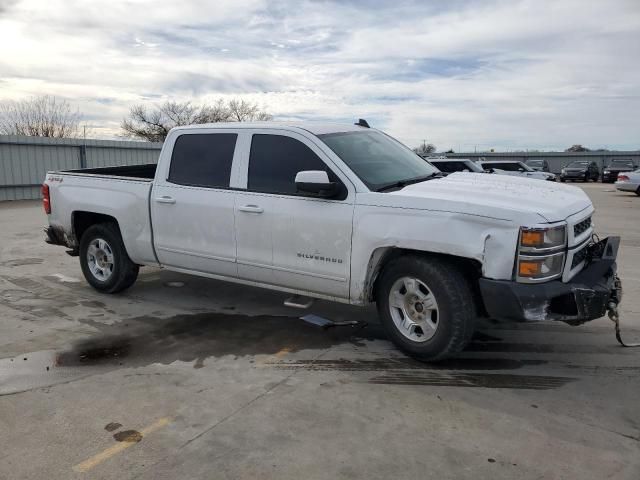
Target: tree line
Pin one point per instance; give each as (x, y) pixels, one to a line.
(49, 116)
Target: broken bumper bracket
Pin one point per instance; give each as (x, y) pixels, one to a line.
(586, 297)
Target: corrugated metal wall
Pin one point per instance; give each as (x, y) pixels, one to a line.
(24, 161)
(556, 160)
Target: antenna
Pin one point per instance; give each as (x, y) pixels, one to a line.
(362, 123)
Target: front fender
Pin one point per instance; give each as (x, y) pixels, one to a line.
(490, 242)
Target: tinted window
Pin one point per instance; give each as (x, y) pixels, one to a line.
(450, 167)
(275, 160)
(578, 164)
(202, 159)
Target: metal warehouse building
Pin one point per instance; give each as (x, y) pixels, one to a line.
(24, 161)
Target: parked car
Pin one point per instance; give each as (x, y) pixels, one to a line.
(539, 165)
(451, 165)
(629, 182)
(343, 213)
(611, 171)
(583, 170)
(515, 168)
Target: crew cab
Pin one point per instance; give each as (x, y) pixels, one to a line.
(343, 213)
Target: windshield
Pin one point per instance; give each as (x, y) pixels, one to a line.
(376, 158)
(451, 167)
(578, 164)
(507, 166)
(621, 163)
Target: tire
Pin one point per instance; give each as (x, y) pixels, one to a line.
(562, 180)
(638, 191)
(586, 178)
(105, 242)
(455, 308)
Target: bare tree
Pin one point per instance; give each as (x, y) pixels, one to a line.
(242, 111)
(153, 124)
(425, 148)
(43, 116)
(577, 148)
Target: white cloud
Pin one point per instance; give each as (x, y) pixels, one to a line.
(503, 74)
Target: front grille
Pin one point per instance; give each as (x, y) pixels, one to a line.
(581, 227)
(579, 257)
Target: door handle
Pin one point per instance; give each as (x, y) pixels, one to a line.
(166, 199)
(251, 209)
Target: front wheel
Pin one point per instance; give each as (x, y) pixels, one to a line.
(426, 306)
(104, 260)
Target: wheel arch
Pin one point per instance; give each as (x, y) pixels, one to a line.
(383, 256)
(81, 220)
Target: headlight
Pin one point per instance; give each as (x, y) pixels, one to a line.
(543, 238)
(541, 253)
(564, 171)
(606, 171)
(546, 267)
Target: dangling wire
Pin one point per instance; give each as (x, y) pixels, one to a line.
(615, 316)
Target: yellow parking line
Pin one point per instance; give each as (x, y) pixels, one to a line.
(97, 459)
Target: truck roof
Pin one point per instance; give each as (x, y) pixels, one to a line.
(317, 128)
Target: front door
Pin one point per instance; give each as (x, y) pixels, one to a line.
(285, 238)
(192, 205)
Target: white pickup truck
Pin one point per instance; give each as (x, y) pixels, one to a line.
(343, 213)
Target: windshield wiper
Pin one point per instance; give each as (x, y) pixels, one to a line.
(409, 181)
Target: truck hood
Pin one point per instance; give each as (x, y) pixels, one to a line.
(499, 196)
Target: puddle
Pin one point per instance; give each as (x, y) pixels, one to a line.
(194, 338)
(149, 340)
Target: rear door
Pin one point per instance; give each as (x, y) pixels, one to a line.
(192, 204)
(286, 238)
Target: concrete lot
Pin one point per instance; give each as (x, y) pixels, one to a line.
(209, 380)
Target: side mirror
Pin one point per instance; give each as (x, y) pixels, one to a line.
(316, 182)
(521, 169)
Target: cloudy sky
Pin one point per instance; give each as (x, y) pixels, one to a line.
(460, 74)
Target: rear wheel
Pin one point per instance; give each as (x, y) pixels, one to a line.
(104, 260)
(426, 306)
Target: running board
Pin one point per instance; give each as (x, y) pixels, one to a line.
(298, 301)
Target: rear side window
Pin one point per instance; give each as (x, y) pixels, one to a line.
(276, 159)
(203, 160)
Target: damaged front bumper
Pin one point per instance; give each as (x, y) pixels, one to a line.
(585, 297)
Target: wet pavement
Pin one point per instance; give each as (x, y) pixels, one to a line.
(184, 377)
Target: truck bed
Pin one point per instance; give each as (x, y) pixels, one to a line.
(146, 171)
